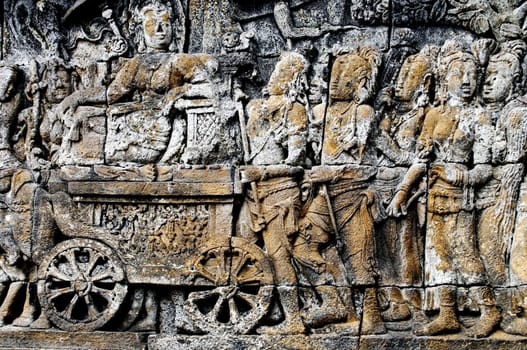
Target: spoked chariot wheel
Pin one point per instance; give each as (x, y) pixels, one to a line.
(243, 286)
(81, 285)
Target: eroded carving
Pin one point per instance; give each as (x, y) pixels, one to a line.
(272, 168)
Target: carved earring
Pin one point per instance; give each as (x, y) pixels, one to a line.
(142, 46)
(173, 47)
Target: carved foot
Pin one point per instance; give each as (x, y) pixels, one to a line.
(370, 327)
(347, 328)
(146, 325)
(446, 322)
(372, 322)
(23, 321)
(293, 326)
(513, 324)
(490, 318)
(321, 316)
(396, 312)
(41, 322)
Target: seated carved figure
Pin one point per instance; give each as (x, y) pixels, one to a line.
(142, 127)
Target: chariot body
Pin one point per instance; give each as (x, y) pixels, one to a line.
(176, 230)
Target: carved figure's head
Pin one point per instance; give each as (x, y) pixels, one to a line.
(231, 37)
(59, 81)
(287, 74)
(157, 26)
(8, 82)
(354, 75)
(152, 27)
(502, 78)
(415, 79)
(459, 71)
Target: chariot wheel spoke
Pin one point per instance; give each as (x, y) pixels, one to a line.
(94, 258)
(70, 256)
(249, 298)
(252, 276)
(107, 275)
(234, 313)
(55, 293)
(92, 312)
(106, 294)
(201, 295)
(217, 307)
(68, 312)
(240, 263)
(203, 272)
(54, 272)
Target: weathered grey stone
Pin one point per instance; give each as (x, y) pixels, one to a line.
(273, 174)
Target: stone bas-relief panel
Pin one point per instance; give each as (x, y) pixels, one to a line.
(317, 172)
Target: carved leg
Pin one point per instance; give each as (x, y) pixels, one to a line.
(28, 313)
(490, 315)
(332, 309)
(345, 313)
(447, 320)
(293, 323)
(8, 244)
(398, 309)
(371, 314)
(150, 321)
(415, 303)
(7, 305)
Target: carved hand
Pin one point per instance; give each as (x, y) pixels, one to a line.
(148, 171)
(397, 206)
(250, 174)
(68, 106)
(455, 176)
(322, 174)
(386, 96)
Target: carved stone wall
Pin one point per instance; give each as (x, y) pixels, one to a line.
(297, 174)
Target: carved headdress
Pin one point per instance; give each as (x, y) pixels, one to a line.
(354, 75)
(289, 74)
(451, 51)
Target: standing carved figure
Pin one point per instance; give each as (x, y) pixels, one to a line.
(319, 265)
(511, 144)
(10, 94)
(48, 125)
(399, 240)
(455, 143)
(497, 199)
(348, 167)
(12, 277)
(277, 130)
